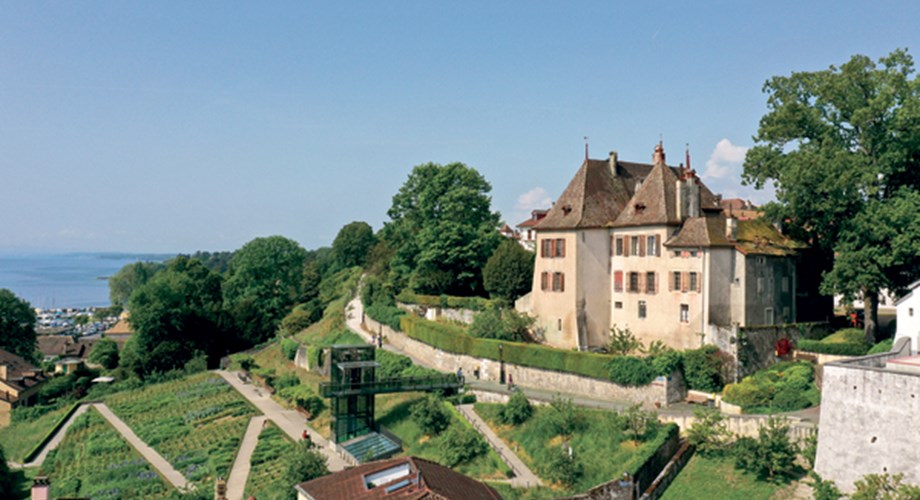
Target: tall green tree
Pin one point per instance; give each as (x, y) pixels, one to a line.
(508, 274)
(352, 245)
(129, 278)
(265, 280)
(176, 315)
(17, 325)
(443, 228)
(842, 147)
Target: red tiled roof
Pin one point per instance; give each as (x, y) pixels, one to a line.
(19, 372)
(427, 480)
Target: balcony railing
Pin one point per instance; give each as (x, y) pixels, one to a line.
(406, 384)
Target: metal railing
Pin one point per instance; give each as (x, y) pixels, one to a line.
(501, 454)
(447, 381)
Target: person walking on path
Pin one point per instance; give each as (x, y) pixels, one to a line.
(510, 381)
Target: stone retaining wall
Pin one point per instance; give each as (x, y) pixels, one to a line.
(749, 425)
(659, 393)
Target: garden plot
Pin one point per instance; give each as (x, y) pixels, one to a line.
(94, 461)
(266, 477)
(196, 423)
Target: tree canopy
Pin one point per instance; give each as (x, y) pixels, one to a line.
(508, 273)
(176, 315)
(17, 325)
(842, 147)
(352, 244)
(265, 280)
(128, 278)
(443, 229)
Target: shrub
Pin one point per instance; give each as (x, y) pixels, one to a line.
(668, 362)
(638, 422)
(289, 347)
(430, 415)
(245, 361)
(387, 315)
(836, 348)
(508, 324)
(883, 346)
(789, 399)
(472, 303)
(287, 380)
(304, 464)
(460, 444)
(631, 371)
(708, 433)
(559, 467)
(747, 394)
(845, 336)
(300, 318)
(771, 455)
(623, 342)
(703, 369)
(517, 410)
(304, 397)
(564, 419)
(105, 353)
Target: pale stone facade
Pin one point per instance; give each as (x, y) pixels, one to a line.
(909, 316)
(648, 247)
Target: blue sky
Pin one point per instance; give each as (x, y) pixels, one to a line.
(178, 126)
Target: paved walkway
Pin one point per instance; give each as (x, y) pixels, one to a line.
(236, 482)
(292, 423)
(523, 476)
(155, 459)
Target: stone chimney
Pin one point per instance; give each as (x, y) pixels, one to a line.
(613, 163)
(41, 488)
(680, 193)
(658, 155)
(731, 228)
(693, 196)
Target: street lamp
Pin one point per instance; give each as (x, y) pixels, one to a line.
(501, 364)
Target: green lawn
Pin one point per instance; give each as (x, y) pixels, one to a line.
(196, 423)
(20, 437)
(600, 446)
(393, 413)
(94, 461)
(706, 478)
(265, 480)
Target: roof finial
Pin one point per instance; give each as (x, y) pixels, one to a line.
(586, 148)
(688, 156)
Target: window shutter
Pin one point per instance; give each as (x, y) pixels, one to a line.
(561, 245)
(612, 245)
(626, 246)
(552, 248)
(561, 282)
(671, 282)
(658, 246)
(641, 246)
(684, 281)
(641, 281)
(618, 281)
(543, 280)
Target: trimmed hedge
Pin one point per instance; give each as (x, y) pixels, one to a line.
(50, 434)
(454, 339)
(471, 303)
(631, 371)
(388, 315)
(838, 348)
(787, 386)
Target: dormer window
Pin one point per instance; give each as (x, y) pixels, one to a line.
(566, 209)
(639, 208)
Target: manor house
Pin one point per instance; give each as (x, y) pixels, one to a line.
(649, 248)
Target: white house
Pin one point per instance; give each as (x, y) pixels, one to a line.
(909, 316)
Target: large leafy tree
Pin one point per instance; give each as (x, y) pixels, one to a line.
(176, 315)
(17, 325)
(508, 273)
(443, 228)
(352, 244)
(842, 147)
(130, 277)
(265, 280)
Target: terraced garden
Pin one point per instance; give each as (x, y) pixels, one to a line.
(21, 436)
(94, 461)
(196, 423)
(266, 479)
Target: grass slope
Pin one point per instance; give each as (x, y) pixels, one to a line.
(601, 446)
(20, 437)
(393, 413)
(705, 478)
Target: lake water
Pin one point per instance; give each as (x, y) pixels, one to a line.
(64, 280)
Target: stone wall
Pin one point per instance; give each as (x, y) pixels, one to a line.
(660, 392)
(754, 347)
(869, 420)
(464, 316)
(749, 425)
